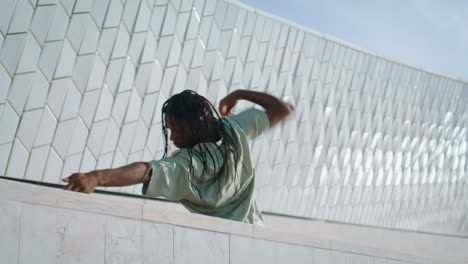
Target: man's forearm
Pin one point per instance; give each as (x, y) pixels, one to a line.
(275, 108)
(130, 174)
(138, 172)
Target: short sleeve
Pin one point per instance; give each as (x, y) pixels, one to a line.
(169, 179)
(252, 121)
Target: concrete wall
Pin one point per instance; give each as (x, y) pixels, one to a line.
(373, 141)
(45, 225)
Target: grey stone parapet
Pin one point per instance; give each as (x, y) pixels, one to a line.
(129, 226)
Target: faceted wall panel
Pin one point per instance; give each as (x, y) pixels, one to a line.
(372, 141)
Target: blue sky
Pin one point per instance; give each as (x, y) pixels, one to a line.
(426, 33)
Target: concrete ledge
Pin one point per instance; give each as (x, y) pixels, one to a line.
(390, 244)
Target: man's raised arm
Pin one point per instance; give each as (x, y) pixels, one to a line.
(275, 109)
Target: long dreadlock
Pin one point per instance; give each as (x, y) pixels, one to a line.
(205, 124)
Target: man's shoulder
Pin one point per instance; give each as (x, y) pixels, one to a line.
(180, 156)
(247, 116)
(252, 121)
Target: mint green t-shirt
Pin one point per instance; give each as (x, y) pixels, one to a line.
(234, 199)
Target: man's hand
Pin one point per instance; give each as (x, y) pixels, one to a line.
(227, 104)
(82, 182)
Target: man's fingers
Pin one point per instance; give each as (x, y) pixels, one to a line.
(68, 186)
(72, 183)
(222, 109)
(76, 185)
(225, 110)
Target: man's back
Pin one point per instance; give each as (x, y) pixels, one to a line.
(206, 187)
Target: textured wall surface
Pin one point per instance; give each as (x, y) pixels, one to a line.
(372, 141)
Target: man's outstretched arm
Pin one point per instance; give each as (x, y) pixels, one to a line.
(134, 173)
(275, 108)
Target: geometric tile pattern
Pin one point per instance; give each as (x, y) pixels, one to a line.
(372, 141)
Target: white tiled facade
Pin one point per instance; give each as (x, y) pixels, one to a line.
(372, 141)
